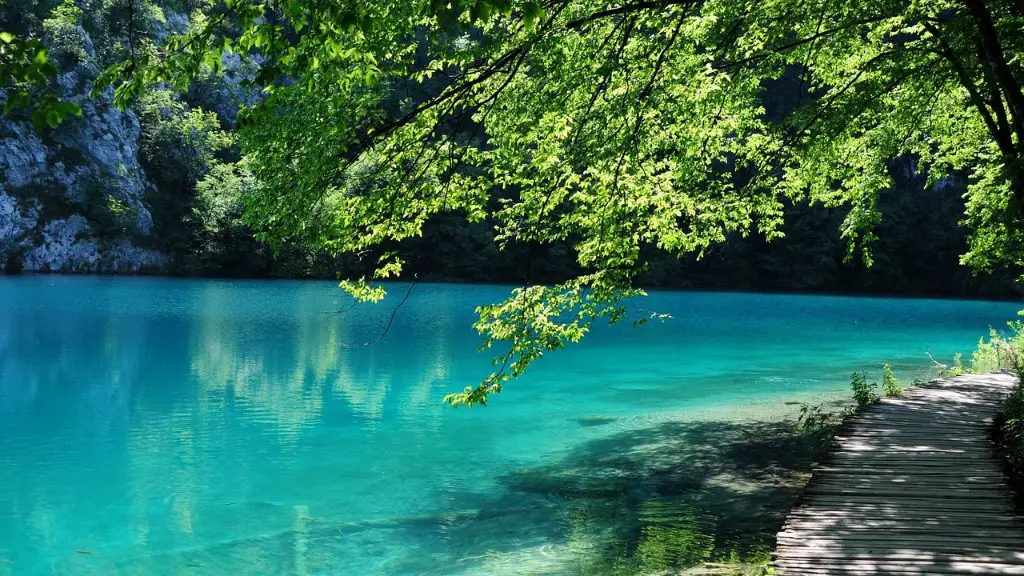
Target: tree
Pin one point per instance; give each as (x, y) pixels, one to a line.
(25, 76)
(608, 124)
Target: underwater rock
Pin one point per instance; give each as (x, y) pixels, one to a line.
(588, 421)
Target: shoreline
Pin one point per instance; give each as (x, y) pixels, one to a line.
(938, 296)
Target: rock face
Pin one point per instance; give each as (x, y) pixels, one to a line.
(57, 188)
(69, 245)
(13, 224)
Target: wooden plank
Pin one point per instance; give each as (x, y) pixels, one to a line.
(906, 469)
(972, 437)
(908, 554)
(877, 540)
(915, 440)
(911, 486)
(937, 522)
(911, 556)
(920, 458)
(891, 417)
(938, 525)
(918, 476)
(902, 500)
(933, 481)
(862, 510)
(926, 537)
(826, 566)
(912, 492)
(894, 526)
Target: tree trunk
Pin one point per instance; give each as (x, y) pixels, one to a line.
(997, 68)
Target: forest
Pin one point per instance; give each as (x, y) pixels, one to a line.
(187, 176)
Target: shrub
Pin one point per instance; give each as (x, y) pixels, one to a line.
(218, 210)
(1010, 437)
(863, 393)
(1000, 351)
(177, 143)
(957, 368)
(817, 424)
(177, 147)
(64, 35)
(890, 385)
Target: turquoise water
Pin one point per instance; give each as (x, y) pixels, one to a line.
(162, 426)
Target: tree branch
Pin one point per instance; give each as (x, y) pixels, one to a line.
(626, 9)
(946, 51)
(995, 58)
(797, 43)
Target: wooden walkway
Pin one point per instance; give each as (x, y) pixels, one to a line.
(912, 486)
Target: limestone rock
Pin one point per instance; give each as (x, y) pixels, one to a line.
(14, 222)
(68, 173)
(67, 246)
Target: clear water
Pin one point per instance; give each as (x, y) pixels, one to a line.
(161, 426)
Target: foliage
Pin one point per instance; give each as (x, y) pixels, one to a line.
(863, 393)
(957, 368)
(219, 196)
(817, 423)
(124, 29)
(539, 319)
(891, 386)
(820, 424)
(917, 251)
(223, 238)
(25, 75)
(673, 536)
(1011, 431)
(1001, 351)
(608, 126)
(65, 36)
(177, 146)
(109, 215)
(177, 143)
(1004, 352)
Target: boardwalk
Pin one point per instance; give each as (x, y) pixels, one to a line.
(912, 486)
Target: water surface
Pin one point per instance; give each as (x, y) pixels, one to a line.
(163, 426)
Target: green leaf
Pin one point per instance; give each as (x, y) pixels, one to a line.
(64, 108)
(532, 13)
(38, 120)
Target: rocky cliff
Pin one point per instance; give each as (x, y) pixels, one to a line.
(73, 199)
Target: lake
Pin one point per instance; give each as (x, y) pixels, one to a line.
(171, 426)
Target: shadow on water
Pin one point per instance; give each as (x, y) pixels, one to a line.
(673, 495)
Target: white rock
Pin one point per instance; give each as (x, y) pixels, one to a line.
(94, 155)
(67, 246)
